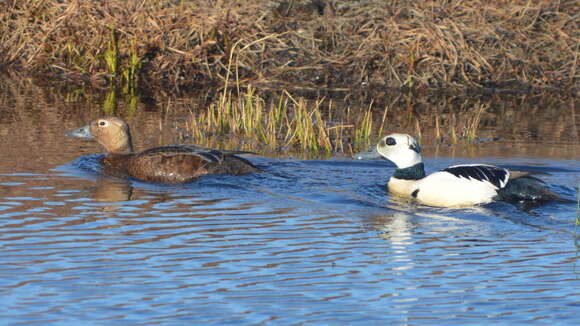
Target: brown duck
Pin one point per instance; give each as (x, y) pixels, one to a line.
(167, 164)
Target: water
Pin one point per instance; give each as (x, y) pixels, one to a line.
(305, 242)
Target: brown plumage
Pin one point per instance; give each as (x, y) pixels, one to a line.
(167, 164)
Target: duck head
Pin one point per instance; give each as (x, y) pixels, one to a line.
(111, 132)
(401, 149)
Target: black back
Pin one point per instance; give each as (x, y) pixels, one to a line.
(493, 174)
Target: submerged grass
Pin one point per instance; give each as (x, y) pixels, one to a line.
(296, 43)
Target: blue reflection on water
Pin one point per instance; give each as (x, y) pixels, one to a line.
(316, 242)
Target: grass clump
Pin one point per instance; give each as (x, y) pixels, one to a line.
(282, 124)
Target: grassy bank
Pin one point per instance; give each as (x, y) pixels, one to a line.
(335, 44)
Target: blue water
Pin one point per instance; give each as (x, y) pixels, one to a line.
(305, 242)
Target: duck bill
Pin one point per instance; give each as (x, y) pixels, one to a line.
(371, 154)
(82, 132)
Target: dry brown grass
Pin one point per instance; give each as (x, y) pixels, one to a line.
(397, 44)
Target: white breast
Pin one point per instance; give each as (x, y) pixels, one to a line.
(401, 187)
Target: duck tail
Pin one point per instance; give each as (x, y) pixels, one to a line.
(527, 188)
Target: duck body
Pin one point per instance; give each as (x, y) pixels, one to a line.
(175, 164)
(458, 185)
(168, 164)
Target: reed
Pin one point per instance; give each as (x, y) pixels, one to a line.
(111, 56)
(278, 122)
(362, 134)
(110, 102)
(131, 71)
(282, 124)
(472, 125)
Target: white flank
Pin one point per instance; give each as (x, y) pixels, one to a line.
(443, 189)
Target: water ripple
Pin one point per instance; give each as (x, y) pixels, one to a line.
(315, 242)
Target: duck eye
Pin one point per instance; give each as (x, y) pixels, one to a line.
(102, 123)
(391, 141)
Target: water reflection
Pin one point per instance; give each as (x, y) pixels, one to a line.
(306, 242)
(111, 191)
(332, 250)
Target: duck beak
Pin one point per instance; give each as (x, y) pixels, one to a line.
(371, 154)
(82, 132)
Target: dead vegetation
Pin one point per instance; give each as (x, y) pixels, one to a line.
(315, 43)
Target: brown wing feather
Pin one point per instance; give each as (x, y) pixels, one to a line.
(175, 164)
(233, 165)
(167, 167)
(195, 149)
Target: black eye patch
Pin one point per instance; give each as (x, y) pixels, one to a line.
(391, 141)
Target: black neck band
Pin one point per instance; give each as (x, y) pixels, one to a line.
(414, 172)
